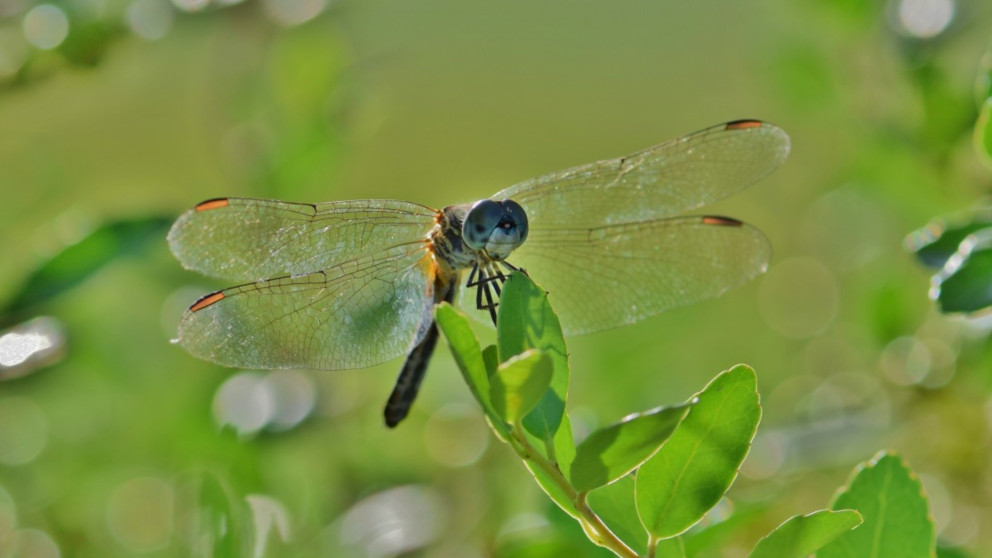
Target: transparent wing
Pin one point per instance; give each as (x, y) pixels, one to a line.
(356, 314)
(243, 239)
(605, 277)
(662, 181)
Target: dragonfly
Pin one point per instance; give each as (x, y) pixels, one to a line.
(352, 284)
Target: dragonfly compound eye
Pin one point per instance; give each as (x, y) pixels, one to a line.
(480, 223)
(515, 218)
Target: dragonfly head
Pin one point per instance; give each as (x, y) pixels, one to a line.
(496, 227)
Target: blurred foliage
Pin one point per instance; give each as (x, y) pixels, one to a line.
(77, 262)
(963, 251)
(114, 111)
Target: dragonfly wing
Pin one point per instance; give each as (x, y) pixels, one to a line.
(605, 277)
(661, 181)
(243, 239)
(355, 314)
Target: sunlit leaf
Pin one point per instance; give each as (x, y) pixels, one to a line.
(615, 450)
(965, 283)
(802, 535)
(519, 384)
(699, 462)
(614, 504)
(469, 358)
(77, 262)
(938, 241)
(896, 517)
(526, 321)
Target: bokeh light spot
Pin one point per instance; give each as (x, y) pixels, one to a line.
(799, 298)
(393, 522)
(191, 5)
(861, 238)
(46, 26)
(925, 18)
(13, 51)
(244, 403)
(267, 514)
(293, 394)
(766, 457)
(33, 543)
(23, 430)
(149, 19)
(15, 348)
(293, 12)
(905, 361)
(8, 519)
(139, 514)
(30, 346)
(456, 435)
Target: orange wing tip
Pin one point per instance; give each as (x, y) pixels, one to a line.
(743, 124)
(206, 301)
(718, 221)
(215, 203)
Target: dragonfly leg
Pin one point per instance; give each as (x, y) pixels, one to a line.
(512, 267)
(484, 277)
(499, 280)
(478, 288)
(489, 302)
(471, 276)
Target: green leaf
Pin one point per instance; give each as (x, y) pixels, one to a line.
(699, 462)
(803, 535)
(895, 511)
(614, 504)
(77, 262)
(938, 241)
(526, 321)
(983, 132)
(615, 450)
(519, 384)
(490, 355)
(465, 348)
(965, 283)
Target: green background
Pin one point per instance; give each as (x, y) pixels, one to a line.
(442, 102)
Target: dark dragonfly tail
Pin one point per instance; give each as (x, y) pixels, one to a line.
(412, 373)
(408, 382)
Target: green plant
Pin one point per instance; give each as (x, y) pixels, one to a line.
(638, 486)
(961, 247)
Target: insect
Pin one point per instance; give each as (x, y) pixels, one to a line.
(351, 284)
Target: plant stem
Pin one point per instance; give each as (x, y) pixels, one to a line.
(595, 529)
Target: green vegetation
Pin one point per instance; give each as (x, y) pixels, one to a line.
(867, 344)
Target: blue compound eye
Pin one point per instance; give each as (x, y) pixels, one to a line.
(514, 216)
(480, 222)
